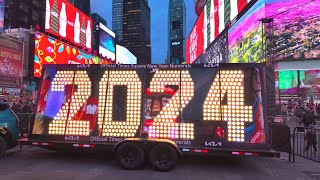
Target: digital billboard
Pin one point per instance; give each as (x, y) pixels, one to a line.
(124, 56)
(2, 7)
(194, 44)
(64, 20)
(296, 28)
(51, 51)
(11, 63)
(218, 14)
(217, 52)
(179, 103)
(107, 45)
(245, 37)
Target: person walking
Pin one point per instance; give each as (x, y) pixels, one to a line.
(308, 121)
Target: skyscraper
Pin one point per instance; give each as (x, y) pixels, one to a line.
(82, 5)
(24, 14)
(177, 31)
(131, 24)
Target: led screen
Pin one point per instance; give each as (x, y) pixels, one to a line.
(194, 45)
(11, 60)
(2, 7)
(217, 52)
(245, 37)
(64, 20)
(51, 51)
(124, 56)
(296, 28)
(309, 81)
(183, 103)
(107, 45)
(218, 14)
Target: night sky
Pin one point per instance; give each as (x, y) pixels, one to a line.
(159, 23)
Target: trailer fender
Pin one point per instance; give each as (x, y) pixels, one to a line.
(147, 143)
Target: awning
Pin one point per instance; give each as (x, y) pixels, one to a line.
(298, 65)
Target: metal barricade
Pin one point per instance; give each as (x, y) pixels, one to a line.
(306, 143)
(291, 121)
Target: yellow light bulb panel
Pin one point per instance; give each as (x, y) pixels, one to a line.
(235, 113)
(165, 123)
(77, 88)
(129, 126)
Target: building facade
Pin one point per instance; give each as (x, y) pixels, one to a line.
(24, 14)
(177, 31)
(96, 20)
(82, 5)
(131, 24)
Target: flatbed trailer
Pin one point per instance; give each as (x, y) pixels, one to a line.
(154, 112)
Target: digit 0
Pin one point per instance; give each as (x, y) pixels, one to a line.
(76, 94)
(129, 126)
(164, 125)
(229, 82)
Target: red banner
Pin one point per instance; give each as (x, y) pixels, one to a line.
(11, 57)
(64, 20)
(51, 51)
(194, 45)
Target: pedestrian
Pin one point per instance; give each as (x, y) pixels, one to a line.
(26, 108)
(284, 109)
(16, 108)
(308, 121)
(310, 137)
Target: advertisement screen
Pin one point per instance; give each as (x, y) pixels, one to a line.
(217, 52)
(218, 14)
(64, 20)
(11, 59)
(2, 7)
(107, 45)
(245, 37)
(296, 28)
(124, 56)
(182, 104)
(51, 51)
(309, 81)
(194, 44)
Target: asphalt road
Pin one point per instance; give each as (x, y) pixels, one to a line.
(35, 163)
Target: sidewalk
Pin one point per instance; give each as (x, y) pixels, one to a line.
(310, 168)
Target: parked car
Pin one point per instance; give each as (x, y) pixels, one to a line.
(9, 128)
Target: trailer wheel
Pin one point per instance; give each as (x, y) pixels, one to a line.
(163, 157)
(3, 146)
(130, 156)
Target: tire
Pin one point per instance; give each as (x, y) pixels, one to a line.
(163, 157)
(130, 156)
(3, 146)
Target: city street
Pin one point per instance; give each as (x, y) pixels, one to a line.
(36, 163)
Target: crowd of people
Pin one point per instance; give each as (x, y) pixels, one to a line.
(297, 109)
(307, 114)
(21, 107)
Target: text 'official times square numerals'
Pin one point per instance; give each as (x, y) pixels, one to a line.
(65, 117)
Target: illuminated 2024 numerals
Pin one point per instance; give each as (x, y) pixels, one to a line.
(63, 123)
(228, 82)
(129, 127)
(164, 125)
